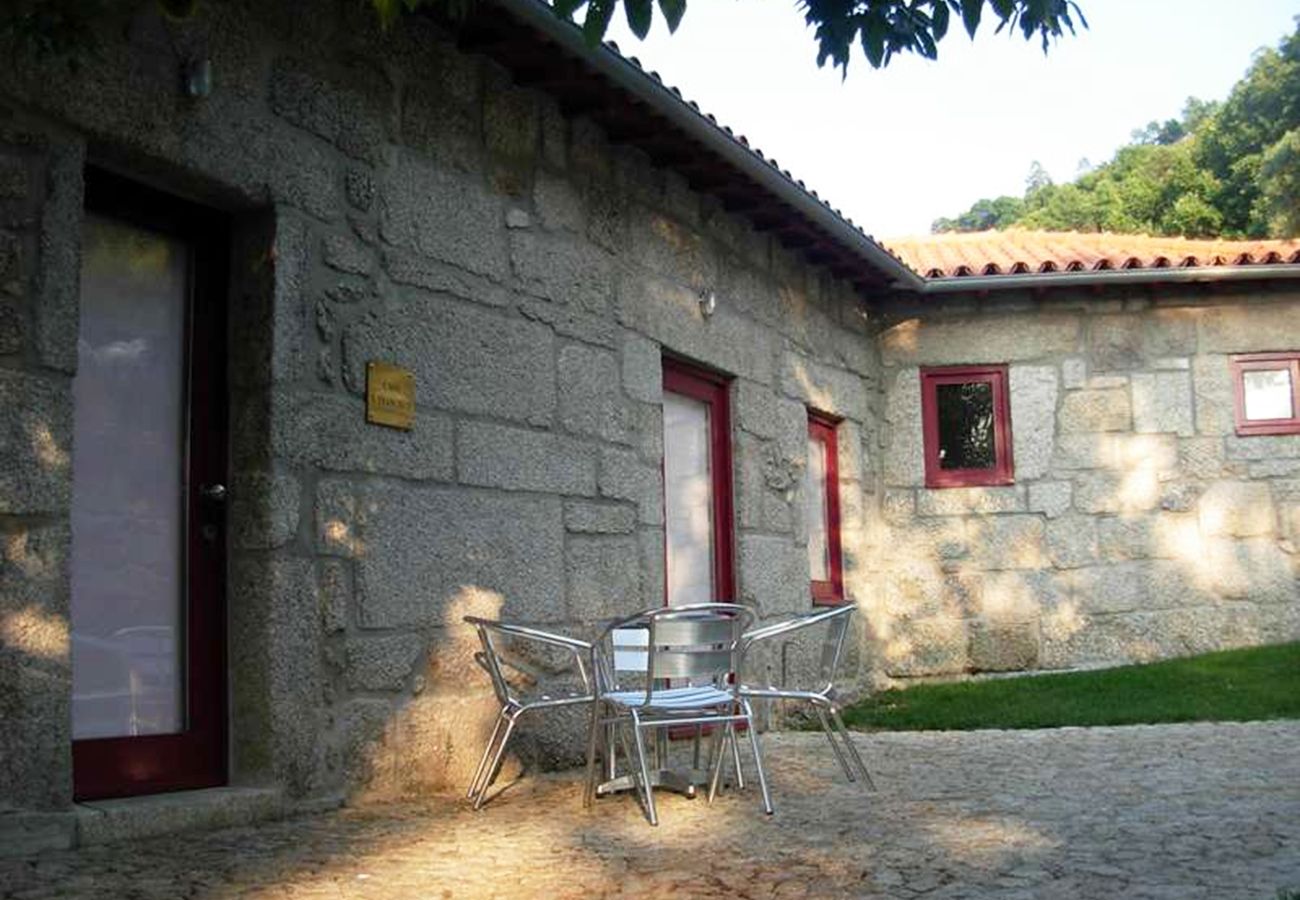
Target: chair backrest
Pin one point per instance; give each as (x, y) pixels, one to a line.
(690, 644)
(835, 621)
(496, 658)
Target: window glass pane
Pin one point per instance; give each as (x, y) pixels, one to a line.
(1267, 393)
(688, 501)
(128, 451)
(966, 425)
(819, 559)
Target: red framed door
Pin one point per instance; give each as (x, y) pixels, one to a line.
(699, 538)
(148, 510)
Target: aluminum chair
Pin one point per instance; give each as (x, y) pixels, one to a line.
(494, 636)
(820, 695)
(700, 645)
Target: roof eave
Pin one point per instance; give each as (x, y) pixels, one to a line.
(1110, 277)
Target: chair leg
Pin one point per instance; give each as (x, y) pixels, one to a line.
(735, 755)
(646, 785)
(496, 762)
(853, 750)
(487, 753)
(717, 754)
(758, 759)
(829, 731)
(589, 790)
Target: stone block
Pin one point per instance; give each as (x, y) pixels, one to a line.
(773, 574)
(919, 589)
(898, 506)
(904, 454)
(1074, 373)
(352, 110)
(1008, 542)
(510, 122)
(1002, 646)
(643, 376)
(1214, 395)
(1033, 418)
(35, 444)
(759, 505)
(558, 203)
(824, 388)
(442, 118)
(334, 589)
(1127, 537)
(1170, 332)
(1051, 498)
(590, 395)
(1162, 402)
(276, 670)
(453, 218)
(1248, 326)
(992, 339)
(1109, 492)
(1071, 541)
(24, 833)
(1236, 509)
(155, 815)
(382, 663)
(58, 282)
(604, 577)
(519, 459)
(563, 270)
(264, 509)
(431, 555)
(1119, 587)
(329, 431)
(1262, 447)
(464, 358)
(599, 517)
(345, 254)
(1095, 410)
(669, 313)
(1201, 457)
(419, 271)
(929, 646)
(624, 476)
(1114, 342)
(971, 500)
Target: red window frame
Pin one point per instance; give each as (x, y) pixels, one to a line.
(712, 388)
(1003, 471)
(823, 430)
(1248, 362)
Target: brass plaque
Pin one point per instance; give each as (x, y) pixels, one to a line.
(390, 396)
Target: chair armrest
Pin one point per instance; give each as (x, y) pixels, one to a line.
(532, 634)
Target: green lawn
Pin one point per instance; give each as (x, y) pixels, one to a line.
(1235, 685)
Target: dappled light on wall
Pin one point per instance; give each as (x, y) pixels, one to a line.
(35, 632)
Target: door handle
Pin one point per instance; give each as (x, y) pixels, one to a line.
(214, 492)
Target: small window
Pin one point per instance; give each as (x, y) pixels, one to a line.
(822, 510)
(966, 419)
(1266, 393)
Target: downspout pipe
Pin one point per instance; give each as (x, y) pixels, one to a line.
(618, 70)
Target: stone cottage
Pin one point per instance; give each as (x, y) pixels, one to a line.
(315, 339)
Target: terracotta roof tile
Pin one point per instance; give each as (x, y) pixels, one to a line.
(1018, 252)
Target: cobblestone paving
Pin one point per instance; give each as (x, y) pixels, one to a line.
(1184, 811)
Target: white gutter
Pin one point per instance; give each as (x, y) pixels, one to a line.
(1206, 274)
(635, 81)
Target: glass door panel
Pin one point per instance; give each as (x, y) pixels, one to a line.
(688, 501)
(128, 499)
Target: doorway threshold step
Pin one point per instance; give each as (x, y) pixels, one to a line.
(130, 818)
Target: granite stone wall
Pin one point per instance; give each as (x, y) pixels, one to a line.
(396, 199)
(1139, 526)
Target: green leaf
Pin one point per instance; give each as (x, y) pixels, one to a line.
(970, 15)
(940, 20)
(566, 8)
(599, 12)
(673, 10)
(639, 15)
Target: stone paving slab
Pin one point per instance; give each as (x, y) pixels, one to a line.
(1175, 811)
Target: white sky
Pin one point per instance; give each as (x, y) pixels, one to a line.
(898, 148)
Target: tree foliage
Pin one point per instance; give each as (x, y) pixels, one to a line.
(882, 28)
(1223, 169)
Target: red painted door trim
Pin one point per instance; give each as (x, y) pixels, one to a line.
(195, 757)
(822, 429)
(712, 388)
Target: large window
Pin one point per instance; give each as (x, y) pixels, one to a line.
(1267, 393)
(822, 510)
(967, 426)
